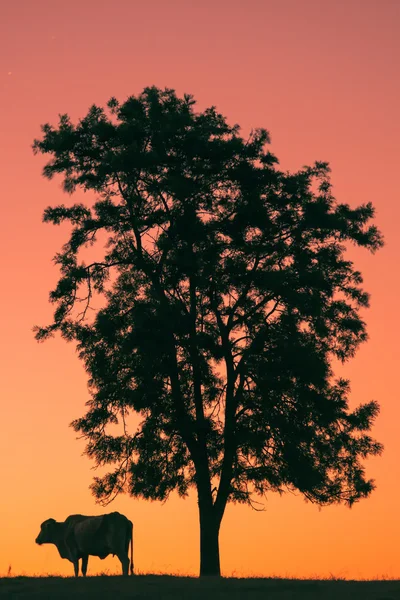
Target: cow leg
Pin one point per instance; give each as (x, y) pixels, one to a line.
(84, 564)
(76, 567)
(125, 563)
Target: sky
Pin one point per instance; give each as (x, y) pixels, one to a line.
(322, 77)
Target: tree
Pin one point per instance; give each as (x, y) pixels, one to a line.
(225, 296)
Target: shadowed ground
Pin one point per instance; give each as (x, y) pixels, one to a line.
(176, 588)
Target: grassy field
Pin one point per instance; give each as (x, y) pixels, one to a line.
(160, 587)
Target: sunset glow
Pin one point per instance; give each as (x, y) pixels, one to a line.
(323, 79)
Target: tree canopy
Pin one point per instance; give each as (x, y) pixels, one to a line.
(226, 295)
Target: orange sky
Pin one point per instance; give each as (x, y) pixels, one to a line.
(323, 78)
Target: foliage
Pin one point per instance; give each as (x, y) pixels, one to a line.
(227, 295)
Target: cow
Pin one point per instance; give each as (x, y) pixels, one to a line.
(80, 536)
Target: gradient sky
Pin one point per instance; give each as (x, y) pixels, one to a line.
(323, 77)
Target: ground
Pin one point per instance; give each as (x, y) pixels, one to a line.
(153, 587)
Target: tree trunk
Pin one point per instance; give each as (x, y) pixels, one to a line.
(209, 544)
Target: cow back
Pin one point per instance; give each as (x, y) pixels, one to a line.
(118, 530)
(96, 535)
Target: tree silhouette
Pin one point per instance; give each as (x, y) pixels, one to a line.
(225, 295)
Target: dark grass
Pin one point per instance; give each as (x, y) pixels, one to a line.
(163, 587)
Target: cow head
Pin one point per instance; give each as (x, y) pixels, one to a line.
(47, 532)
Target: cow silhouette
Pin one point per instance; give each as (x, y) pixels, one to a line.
(80, 536)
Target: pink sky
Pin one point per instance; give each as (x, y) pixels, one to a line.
(323, 78)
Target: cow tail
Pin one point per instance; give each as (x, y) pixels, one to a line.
(131, 549)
